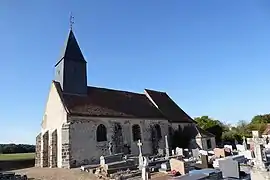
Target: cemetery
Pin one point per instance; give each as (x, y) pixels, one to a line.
(249, 160)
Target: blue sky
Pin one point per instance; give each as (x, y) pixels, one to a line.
(211, 57)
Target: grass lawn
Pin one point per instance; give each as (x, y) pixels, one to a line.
(18, 156)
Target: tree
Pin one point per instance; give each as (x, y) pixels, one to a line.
(261, 119)
(213, 126)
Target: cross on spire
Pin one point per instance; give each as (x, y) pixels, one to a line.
(71, 20)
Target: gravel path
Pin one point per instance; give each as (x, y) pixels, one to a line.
(55, 174)
(66, 174)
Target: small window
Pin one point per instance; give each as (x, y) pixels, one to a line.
(158, 131)
(209, 144)
(136, 132)
(101, 133)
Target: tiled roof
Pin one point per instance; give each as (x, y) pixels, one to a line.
(114, 103)
(203, 133)
(109, 103)
(168, 107)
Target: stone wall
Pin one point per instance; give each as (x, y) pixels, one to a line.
(45, 150)
(38, 151)
(53, 149)
(86, 150)
(66, 144)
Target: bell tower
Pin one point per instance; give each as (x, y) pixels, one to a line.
(70, 70)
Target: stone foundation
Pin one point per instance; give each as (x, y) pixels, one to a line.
(38, 151)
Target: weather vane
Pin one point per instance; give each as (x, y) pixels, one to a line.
(71, 20)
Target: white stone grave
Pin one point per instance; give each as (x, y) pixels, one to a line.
(258, 143)
(140, 154)
(179, 151)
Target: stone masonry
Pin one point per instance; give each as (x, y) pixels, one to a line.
(44, 150)
(38, 150)
(53, 149)
(66, 154)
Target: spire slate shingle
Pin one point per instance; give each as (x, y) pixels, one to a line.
(71, 50)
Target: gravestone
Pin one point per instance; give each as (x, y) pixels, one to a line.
(173, 153)
(203, 152)
(244, 143)
(167, 150)
(145, 172)
(196, 153)
(110, 148)
(230, 168)
(160, 152)
(140, 154)
(240, 147)
(228, 146)
(179, 151)
(204, 160)
(179, 166)
(222, 152)
(258, 143)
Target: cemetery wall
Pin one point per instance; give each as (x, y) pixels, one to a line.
(83, 137)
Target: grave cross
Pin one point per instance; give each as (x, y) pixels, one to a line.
(140, 147)
(167, 147)
(244, 143)
(140, 154)
(258, 143)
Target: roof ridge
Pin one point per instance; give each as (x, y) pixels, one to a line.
(110, 89)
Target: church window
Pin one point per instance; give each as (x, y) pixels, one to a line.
(209, 144)
(158, 131)
(101, 133)
(136, 132)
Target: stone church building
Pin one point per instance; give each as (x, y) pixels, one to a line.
(80, 121)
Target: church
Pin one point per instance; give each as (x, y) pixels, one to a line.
(80, 122)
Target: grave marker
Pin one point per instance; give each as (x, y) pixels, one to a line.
(179, 151)
(145, 169)
(258, 146)
(167, 147)
(140, 154)
(230, 168)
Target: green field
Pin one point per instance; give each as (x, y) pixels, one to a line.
(19, 156)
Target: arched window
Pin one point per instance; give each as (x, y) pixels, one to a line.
(136, 132)
(101, 133)
(158, 131)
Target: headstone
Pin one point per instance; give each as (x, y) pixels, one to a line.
(247, 154)
(230, 168)
(204, 160)
(160, 152)
(140, 154)
(258, 143)
(173, 153)
(167, 150)
(229, 146)
(179, 151)
(110, 148)
(178, 166)
(240, 147)
(203, 152)
(222, 152)
(196, 153)
(244, 143)
(145, 169)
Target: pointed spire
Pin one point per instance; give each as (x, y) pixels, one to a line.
(71, 49)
